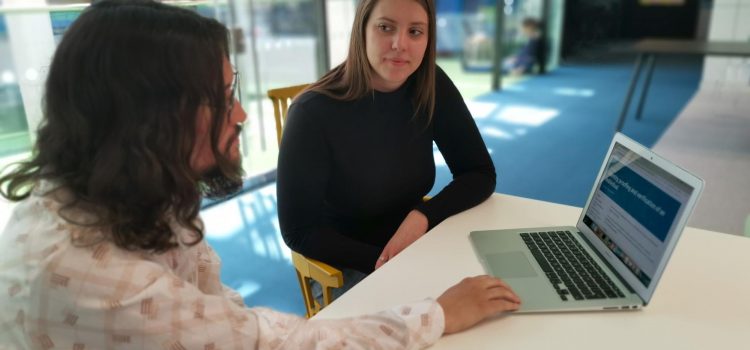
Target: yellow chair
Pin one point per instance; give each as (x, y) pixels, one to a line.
(307, 269)
(280, 99)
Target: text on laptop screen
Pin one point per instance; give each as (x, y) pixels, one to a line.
(633, 210)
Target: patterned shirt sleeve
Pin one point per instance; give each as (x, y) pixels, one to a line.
(59, 295)
(413, 326)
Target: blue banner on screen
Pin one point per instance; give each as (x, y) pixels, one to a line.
(650, 206)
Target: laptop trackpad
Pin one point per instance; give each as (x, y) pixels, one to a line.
(510, 265)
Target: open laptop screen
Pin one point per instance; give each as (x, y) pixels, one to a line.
(634, 210)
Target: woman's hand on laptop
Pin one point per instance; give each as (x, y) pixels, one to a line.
(475, 299)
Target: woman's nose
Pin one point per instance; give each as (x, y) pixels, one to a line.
(399, 41)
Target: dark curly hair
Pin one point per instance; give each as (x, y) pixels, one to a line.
(120, 108)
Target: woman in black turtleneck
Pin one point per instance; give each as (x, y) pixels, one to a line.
(356, 156)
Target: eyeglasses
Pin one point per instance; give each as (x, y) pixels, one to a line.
(236, 92)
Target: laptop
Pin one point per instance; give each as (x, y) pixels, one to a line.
(614, 256)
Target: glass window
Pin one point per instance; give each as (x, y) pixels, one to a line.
(26, 44)
(548, 15)
(14, 130)
(278, 44)
(275, 43)
(29, 33)
(466, 31)
(465, 43)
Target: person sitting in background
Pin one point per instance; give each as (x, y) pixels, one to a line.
(105, 247)
(531, 53)
(356, 156)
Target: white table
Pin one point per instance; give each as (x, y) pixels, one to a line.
(702, 301)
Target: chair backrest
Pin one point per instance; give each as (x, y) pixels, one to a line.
(281, 98)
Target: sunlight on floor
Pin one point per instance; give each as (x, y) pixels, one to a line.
(516, 115)
(495, 132)
(244, 232)
(225, 221)
(568, 91)
(233, 219)
(247, 288)
(514, 119)
(481, 110)
(526, 115)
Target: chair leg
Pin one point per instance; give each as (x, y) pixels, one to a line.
(306, 295)
(326, 296)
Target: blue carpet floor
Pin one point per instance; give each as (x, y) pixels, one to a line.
(547, 137)
(548, 134)
(244, 232)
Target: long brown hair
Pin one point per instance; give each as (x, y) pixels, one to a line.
(120, 107)
(352, 79)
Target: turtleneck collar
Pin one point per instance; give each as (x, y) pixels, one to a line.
(399, 94)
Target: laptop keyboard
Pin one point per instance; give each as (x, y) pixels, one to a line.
(572, 272)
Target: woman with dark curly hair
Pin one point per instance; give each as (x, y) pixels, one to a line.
(105, 248)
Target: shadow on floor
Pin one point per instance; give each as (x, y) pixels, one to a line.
(244, 231)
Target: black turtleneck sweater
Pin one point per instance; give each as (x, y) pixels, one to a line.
(350, 171)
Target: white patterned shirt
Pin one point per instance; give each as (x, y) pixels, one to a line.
(56, 294)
